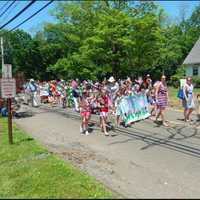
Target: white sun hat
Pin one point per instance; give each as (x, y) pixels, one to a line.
(111, 79)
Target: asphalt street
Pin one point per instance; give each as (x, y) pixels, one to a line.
(146, 160)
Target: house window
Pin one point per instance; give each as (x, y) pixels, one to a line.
(195, 71)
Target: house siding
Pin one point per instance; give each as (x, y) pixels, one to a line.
(189, 70)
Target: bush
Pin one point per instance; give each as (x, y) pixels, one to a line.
(175, 80)
(196, 81)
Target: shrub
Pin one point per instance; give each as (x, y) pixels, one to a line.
(196, 81)
(175, 80)
(180, 74)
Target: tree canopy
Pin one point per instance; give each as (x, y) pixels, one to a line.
(96, 39)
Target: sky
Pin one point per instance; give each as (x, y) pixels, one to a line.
(172, 8)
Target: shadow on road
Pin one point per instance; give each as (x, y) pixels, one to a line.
(178, 138)
(172, 141)
(23, 114)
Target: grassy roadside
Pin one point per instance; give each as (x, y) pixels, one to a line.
(174, 101)
(27, 170)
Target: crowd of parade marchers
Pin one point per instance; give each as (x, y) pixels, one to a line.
(102, 98)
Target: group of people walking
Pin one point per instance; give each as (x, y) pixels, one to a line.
(102, 98)
(117, 98)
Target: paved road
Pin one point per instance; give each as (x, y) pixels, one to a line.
(144, 161)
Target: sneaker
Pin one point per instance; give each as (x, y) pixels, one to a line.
(106, 134)
(165, 124)
(87, 133)
(81, 130)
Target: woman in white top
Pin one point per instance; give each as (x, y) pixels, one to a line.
(188, 101)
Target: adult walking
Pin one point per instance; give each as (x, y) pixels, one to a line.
(75, 92)
(32, 88)
(188, 101)
(113, 87)
(162, 99)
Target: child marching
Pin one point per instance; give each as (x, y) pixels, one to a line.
(84, 102)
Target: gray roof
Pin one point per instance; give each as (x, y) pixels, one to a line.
(194, 55)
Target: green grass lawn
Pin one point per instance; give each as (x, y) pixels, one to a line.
(174, 101)
(27, 170)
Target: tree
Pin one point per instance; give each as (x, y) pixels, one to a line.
(96, 39)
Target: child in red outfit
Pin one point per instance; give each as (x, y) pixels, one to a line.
(103, 110)
(85, 111)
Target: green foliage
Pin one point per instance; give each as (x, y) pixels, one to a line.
(112, 41)
(175, 79)
(196, 81)
(195, 17)
(94, 39)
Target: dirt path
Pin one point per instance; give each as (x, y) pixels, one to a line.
(134, 167)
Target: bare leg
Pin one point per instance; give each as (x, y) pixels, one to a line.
(104, 125)
(101, 125)
(84, 124)
(113, 109)
(158, 115)
(154, 110)
(163, 118)
(185, 114)
(189, 113)
(117, 120)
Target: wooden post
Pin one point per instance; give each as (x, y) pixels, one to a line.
(10, 136)
(9, 100)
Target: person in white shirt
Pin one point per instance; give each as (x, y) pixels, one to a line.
(188, 101)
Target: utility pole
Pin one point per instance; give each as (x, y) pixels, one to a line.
(2, 53)
(9, 100)
(163, 71)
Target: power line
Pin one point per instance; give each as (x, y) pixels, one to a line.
(6, 16)
(5, 4)
(32, 15)
(7, 8)
(19, 13)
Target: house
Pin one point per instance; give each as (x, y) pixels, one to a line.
(192, 61)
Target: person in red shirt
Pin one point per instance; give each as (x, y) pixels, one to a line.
(103, 110)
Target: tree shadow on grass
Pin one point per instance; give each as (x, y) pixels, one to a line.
(19, 141)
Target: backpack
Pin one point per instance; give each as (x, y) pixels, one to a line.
(32, 87)
(180, 94)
